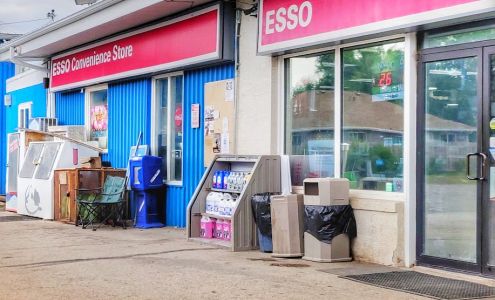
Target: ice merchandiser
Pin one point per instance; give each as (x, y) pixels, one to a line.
(13, 162)
(36, 177)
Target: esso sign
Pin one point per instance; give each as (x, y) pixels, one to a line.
(288, 18)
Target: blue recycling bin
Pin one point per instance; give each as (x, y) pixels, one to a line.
(146, 172)
(147, 191)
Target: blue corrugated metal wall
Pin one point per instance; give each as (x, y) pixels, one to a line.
(193, 143)
(35, 94)
(129, 111)
(69, 108)
(7, 70)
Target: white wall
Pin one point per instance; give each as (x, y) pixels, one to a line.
(257, 105)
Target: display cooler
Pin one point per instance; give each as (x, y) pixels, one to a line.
(36, 177)
(261, 174)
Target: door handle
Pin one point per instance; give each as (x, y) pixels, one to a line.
(483, 165)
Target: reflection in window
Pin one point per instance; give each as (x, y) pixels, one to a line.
(373, 116)
(309, 122)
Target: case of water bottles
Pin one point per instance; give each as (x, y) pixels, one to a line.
(220, 210)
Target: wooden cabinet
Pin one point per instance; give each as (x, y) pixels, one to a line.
(67, 181)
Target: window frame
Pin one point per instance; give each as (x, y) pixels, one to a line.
(20, 116)
(409, 93)
(87, 109)
(170, 118)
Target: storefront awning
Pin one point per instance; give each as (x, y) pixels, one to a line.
(95, 22)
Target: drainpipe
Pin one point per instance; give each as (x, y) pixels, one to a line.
(238, 17)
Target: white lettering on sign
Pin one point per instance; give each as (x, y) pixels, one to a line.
(67, 65)
(288, 18)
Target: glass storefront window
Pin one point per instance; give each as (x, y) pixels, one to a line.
(309, 116)
(98, 117)
(168, 125)
(373, 116)
(162, 122)
(456, 37)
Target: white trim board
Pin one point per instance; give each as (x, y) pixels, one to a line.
(24, 80)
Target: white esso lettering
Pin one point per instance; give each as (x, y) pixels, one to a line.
(281, 21)
(288, 18)
(306, 5)
(269, 21)
(292, 16)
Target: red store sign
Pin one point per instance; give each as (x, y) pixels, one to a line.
(288, 24)
(187, 40)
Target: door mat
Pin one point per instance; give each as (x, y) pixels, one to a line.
(426, 285)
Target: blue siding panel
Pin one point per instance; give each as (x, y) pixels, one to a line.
(7, 70)
(129, 111)
(69, 108)
(193, 142)
(35, 94)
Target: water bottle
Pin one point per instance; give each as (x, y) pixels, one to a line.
(225, 180)
(214, 183)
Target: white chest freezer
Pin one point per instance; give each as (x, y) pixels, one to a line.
(35, 182)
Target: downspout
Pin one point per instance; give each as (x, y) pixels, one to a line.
(238, 16)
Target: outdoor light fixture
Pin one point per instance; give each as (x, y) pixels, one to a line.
(83, 2)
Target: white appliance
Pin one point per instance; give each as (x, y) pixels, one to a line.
(13, 160)
(76, 132)
(35, 181)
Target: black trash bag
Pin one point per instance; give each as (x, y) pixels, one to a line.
(261, 212)
(327, 222)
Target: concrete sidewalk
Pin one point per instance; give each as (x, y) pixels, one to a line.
(51, 260)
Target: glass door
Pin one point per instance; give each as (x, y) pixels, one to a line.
(488, 205)
(450, 155)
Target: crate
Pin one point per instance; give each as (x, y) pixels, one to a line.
(67, 181)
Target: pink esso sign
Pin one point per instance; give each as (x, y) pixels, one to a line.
(288, 18)
(288, 24)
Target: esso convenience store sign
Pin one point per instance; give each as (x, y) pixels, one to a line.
(184, 41)
(286, 24)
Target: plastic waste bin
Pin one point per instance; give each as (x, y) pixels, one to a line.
(287, 214)
(260, 204)
(328, 220)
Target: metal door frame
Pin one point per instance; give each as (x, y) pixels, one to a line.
(485, 205)
(431, 55)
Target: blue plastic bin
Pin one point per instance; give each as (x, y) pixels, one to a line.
(265, 242)
(146, 172)
(147, 209)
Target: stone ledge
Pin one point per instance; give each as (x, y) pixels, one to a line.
(387, 206)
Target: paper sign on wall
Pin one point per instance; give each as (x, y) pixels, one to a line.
(229, 90)
(195, 115)
(219, 117)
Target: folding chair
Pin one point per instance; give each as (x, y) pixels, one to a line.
(95, 204)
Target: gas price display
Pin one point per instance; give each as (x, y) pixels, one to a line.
(385, 79)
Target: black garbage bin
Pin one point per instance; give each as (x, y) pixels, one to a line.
(260, 204)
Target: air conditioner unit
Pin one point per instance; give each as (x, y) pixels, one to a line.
(41, 124)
